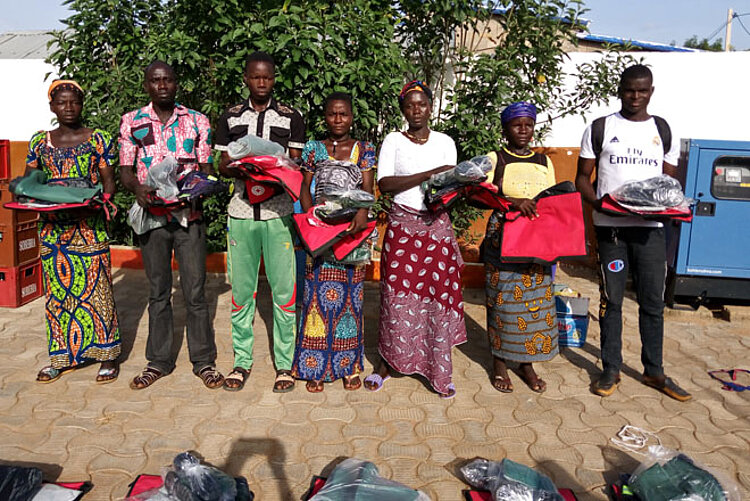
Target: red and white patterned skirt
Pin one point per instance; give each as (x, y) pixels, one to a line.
(421, 299)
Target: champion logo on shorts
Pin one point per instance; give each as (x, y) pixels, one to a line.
(616, 266)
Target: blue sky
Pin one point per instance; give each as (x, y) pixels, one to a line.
(652, 20)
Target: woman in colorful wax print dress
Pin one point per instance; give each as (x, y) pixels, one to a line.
(330, 340)
(421, 305)
(81, 321)
(521, 318)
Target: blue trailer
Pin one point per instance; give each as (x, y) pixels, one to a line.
(710, 256)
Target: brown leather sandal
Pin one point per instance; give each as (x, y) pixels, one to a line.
(146, 378)
(211, 378)
(235, 380)
(352, 383)
(284, 382)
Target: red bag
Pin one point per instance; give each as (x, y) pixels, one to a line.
(268, 176)
(317, 236)
(558, 233)
(611, 207)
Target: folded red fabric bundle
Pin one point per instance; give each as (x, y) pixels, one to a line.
(558, 233)
(268, 176)
(317, 236)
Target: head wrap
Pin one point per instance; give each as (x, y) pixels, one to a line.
(417, 85)
(59, 85)
(519, 109)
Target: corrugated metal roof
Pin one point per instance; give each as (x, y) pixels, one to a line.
(24, 44)
(651, 46)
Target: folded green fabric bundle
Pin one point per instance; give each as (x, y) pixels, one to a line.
(677, 479)
(35, 185)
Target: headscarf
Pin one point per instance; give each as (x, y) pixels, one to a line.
(414, 85)
(519, 109)
(59, 85)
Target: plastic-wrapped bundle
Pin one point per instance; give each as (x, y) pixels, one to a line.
(359, 199)
(510, 481)
(163, 177)
(336, 175)
(143, 221)
(466, 172)
(656, 193)
(342, 205)
(19, 482)
(253, 145)
(668, 475)
(196, 184)
(356, 480)
(362, 254)
(204, 483)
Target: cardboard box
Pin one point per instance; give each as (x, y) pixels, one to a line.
(572, 320)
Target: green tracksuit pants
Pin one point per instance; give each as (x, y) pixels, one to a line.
(272, 239)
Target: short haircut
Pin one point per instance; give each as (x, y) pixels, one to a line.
(635, 72)
(338, 96)
(259, 57)
(157, 63)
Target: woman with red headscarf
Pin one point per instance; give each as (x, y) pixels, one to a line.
(81, 320)
(421, 301)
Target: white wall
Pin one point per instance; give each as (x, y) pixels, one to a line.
(24, 108)
(703, 95)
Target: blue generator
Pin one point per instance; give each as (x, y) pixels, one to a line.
(710, 257)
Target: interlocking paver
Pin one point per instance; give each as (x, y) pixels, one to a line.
(108, 433)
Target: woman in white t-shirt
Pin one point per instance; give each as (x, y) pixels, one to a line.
(421, 300)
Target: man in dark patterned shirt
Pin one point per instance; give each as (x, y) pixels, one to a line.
(261, 229)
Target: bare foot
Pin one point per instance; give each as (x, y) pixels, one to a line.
(500, 378)
(529, 376)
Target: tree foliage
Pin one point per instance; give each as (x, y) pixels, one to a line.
(365, 47)
(715, 46)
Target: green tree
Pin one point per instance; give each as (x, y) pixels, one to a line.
(715, 46)
(526, 63)
(366, 47)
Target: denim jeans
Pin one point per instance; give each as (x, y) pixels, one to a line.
(642, 251)
(189, 246)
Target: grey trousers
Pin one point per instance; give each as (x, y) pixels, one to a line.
(189, 246)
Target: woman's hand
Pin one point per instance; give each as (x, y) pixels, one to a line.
(359, 222)
(526, 206)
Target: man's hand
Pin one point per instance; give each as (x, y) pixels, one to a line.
(142, 193)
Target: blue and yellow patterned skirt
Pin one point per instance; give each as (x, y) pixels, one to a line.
(330, 340)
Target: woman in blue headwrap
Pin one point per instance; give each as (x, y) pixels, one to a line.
(521, 317)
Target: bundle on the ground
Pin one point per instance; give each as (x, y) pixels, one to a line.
(668, 475)
(356, 480)
(510, 481)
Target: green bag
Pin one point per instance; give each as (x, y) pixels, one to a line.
(34, 185)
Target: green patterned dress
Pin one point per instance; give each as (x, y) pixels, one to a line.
(81, 321)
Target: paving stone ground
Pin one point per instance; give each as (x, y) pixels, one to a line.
(108, 434)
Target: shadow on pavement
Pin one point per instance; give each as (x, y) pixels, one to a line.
(244, 449)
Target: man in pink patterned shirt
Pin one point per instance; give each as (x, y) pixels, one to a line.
(147, 136)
